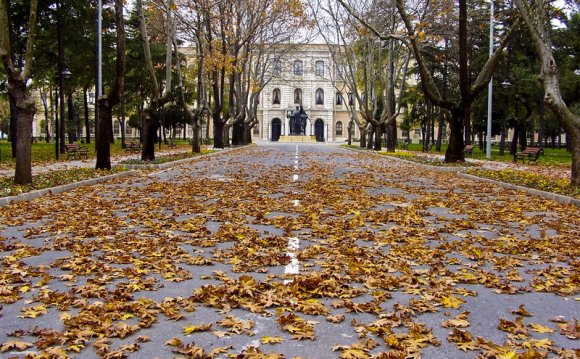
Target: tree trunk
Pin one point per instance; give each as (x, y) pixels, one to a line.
(149, 131)
(13, 134)
(370, 136)
(440, 122)
(102, 140)
(363, 136)
(514, 144)
(378, 137)
(218, 131)
(195, 141)
(391, 135)
(456, 145)
(350, 125)
(25, 109)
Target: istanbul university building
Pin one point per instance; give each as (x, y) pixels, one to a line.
(304, 77)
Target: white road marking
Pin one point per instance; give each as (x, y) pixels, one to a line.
(293, 242)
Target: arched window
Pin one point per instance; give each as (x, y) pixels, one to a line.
(276, 96)
(339, 128)
(298, 67)
(319, 99)
(298, 96)
(319, 68)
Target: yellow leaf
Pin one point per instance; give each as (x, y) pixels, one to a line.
(451, 301)
(540, 328)
(271, 340)
(196, 328)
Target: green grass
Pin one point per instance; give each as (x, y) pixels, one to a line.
(53, 179)
(551, 156)
(43, 152)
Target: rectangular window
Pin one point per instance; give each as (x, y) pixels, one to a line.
(298, 68)
(350, 99)
(339, 99)
(340, 70)
(319, 69)
(256, 130)
(277, 68)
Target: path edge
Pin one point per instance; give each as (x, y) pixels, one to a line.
(560, 198)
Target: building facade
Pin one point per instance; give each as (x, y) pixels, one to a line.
(305, 76)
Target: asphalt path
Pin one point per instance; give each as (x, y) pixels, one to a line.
(278, 242)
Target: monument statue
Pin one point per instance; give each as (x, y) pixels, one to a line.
(297, 121)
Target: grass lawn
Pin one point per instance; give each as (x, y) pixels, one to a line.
(551, 156)
(43, 152)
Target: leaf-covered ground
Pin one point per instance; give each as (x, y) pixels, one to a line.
(274, 251)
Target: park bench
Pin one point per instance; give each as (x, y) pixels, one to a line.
(74, 149)
(468, 150)
(171, 143)
(133, 146)
(531, 153)
(406, 143)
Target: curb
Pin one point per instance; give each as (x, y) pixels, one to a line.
(131, 171)
(549, 195)
(4, 201)
(459, 171)
(166, 165)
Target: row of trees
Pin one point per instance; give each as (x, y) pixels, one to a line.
(380, 44)
(448, 41)
(234, 44)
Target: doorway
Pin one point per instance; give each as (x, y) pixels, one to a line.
(276, 129)
(319, 130)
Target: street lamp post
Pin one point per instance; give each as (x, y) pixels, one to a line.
(490, 86)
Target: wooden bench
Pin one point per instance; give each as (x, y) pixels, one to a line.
(531, 153)
(171, 143)
(74, 149)
(133, 146)
(468, 150)
(406, 143)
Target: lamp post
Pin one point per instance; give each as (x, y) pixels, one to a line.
(490, 86)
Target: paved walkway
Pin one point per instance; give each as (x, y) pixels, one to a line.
(304, 251)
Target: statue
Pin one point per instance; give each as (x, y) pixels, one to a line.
(297, 123)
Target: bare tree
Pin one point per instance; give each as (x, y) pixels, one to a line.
(535, 18)
(107, 102)
(149, 116)
(17, 89)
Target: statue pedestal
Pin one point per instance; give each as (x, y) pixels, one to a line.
(295, 138)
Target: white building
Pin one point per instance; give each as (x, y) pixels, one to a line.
(304, 76)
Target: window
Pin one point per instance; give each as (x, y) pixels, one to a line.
(350, 99)
(319, 97)
(277, 68)
(339, 98)
(298, 67)
(340, 70)
(256, 130)
(319, 68)
(276, 97)
(298, 96)
(339, 128)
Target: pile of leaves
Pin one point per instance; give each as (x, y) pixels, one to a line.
(426, 160)
(53, 179)
(531, 180)
(167, 158)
